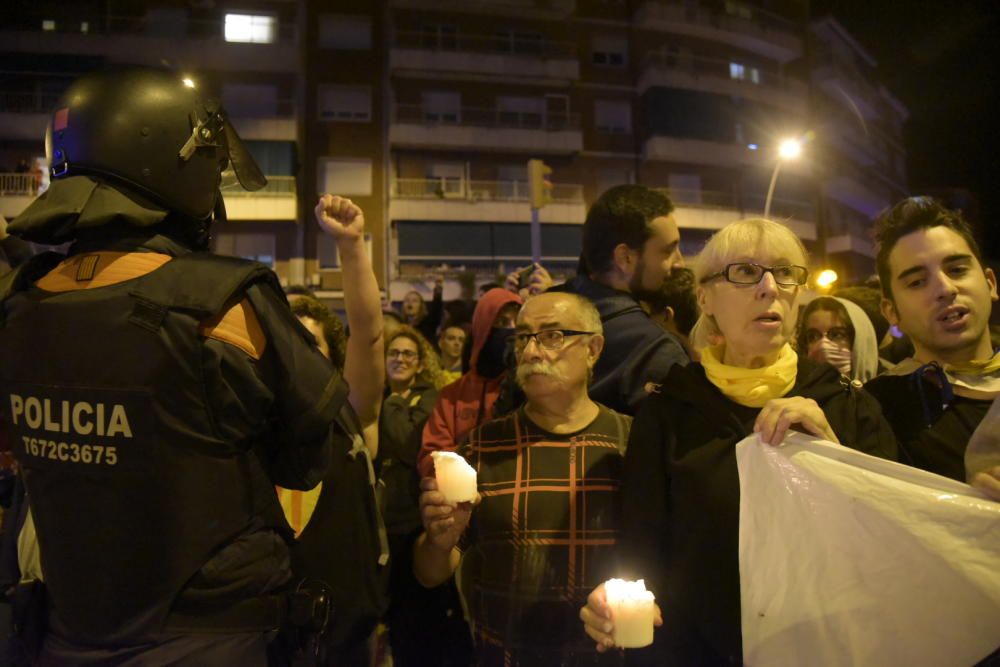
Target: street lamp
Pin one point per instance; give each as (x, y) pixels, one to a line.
(790, 149)
(826, 278)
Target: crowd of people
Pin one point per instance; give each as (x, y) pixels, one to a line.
(267, 470)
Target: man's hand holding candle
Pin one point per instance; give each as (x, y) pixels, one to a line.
(435, 554)
(444, 522)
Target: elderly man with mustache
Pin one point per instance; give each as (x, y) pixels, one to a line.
(543, 530)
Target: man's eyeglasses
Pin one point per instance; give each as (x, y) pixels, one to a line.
(747, 273)
(550, 339)
(408, 355)
(834, 335)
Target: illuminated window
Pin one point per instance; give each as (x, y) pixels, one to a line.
(250, 28)
(48, 24)
(737, 71)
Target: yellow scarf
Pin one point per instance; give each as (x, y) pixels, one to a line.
(752, 387)
(976, 367)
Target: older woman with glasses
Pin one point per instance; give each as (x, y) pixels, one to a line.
(681, 489)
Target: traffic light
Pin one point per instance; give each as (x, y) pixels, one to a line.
(539, 184)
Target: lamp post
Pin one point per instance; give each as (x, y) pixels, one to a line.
(790, 149)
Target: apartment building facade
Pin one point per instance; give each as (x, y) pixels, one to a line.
(426, 113)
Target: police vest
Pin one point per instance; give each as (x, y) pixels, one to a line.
(131, 485)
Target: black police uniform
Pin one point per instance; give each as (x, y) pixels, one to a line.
(149, 447)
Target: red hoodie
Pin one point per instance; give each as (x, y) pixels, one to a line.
(458, 406)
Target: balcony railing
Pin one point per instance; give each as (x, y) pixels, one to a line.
(277, 186)
(457, 189)
(717, 68)
(25, 185)
(700, 198)
(740, 19)
(487, 117)
(503, 44)
(748, 204)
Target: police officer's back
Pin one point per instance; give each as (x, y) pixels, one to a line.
(156, 393)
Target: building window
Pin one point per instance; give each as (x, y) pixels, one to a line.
(254, 100)
(345, 103)
(48, 25)
(685, 188)
(345, 176)
(742, 72)
(609, 177)
(442, 107)
(609, 51)
(613, 116)
(258, 247)
(351, 33)
(739, 10)
(251, 28)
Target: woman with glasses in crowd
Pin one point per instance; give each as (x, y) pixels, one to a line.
(681, 490)
(413, 377)
(837, 332)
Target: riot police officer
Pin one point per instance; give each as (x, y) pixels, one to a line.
(155, 392)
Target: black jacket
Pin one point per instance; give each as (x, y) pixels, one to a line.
(400, 426)
(681, 496)
(932, 428)
(637, 351)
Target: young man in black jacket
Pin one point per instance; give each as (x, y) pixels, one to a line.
(936, 290)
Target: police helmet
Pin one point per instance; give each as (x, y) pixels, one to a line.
(150, 132)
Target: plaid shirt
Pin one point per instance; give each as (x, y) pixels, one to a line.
(542, 538)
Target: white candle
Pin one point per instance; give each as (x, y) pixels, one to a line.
(632, 612)
(456, 479)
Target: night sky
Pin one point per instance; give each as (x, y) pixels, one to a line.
(941, 59)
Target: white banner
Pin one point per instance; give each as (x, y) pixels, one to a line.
(847, 559)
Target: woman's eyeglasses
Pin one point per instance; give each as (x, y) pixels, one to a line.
(408, 355)
(747, 273)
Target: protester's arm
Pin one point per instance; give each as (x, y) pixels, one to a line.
(297, 393)
(435, 553)
(364, 365)
(435, 311)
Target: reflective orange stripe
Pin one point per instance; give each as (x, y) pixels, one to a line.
(100, 269)
(238, 326)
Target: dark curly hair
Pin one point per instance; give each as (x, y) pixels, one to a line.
(333, 328)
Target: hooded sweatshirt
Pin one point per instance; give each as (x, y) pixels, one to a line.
(467, 402)
(864, 353)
